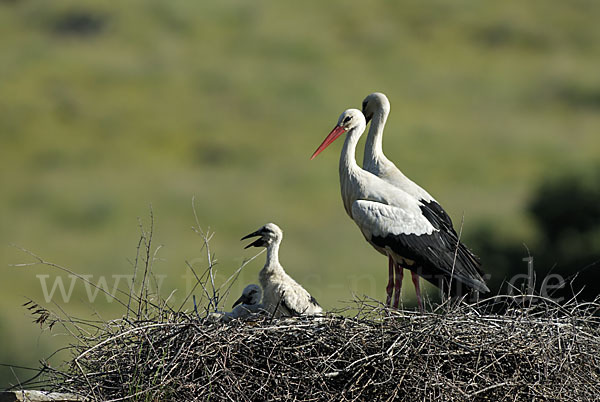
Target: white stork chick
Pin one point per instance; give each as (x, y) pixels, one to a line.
(396, 223)
(282, 295)
(248, 304)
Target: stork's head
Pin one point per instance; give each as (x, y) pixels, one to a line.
(349, 120)
(374, 102)
(250, 296)
(269, 234)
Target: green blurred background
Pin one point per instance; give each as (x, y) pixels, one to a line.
(107, 108)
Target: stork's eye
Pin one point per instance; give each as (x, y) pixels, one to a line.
(347, 119)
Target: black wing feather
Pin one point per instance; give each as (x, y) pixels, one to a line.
(290, 310)
(438, 257)
(440, 220)
(294, 312)
(436, 215)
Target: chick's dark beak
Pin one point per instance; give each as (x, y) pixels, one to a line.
(260, 242)
(245, 299)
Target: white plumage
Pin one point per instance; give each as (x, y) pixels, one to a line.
(282, 295)
(382, 219)
(248, 303)
(396, 223)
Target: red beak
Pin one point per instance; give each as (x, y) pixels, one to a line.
(333, 135)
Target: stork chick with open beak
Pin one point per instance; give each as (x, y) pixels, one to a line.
(282, 295)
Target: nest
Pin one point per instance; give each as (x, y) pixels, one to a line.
(504, 348)
(456, 353)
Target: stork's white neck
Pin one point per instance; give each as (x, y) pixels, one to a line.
(348, 165)
(374, 144)
(272, 263)
(376, 162)
(273, 252)
(350, 172)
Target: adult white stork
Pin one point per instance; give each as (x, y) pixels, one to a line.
(397, 224)
(282, 295)
(376, 108)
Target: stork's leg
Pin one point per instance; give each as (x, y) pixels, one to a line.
(415, 279)
(390, 286)
(398, 287)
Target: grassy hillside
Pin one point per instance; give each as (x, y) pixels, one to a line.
(107, 108)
